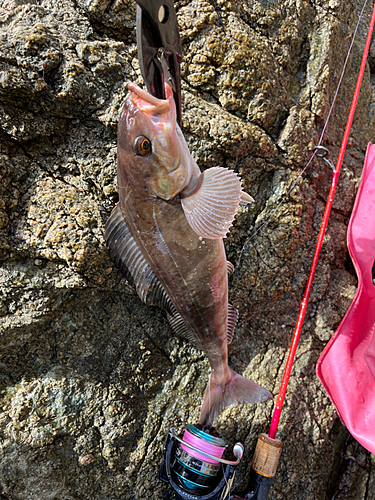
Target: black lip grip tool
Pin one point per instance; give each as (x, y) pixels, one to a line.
(159, 48)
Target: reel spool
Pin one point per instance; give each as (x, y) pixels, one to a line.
(194, 467)
(191, 469)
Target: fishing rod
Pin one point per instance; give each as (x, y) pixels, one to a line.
(193, 465)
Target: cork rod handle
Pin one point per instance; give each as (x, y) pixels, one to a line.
(267, 455)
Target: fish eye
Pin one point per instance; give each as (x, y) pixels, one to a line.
(142, 146)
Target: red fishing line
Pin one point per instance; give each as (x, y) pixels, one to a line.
(323, 227)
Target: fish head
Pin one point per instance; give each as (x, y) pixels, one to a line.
(152, 151)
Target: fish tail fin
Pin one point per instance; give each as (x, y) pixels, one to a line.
(237, 391)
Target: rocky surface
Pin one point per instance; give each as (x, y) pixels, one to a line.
(91, 379)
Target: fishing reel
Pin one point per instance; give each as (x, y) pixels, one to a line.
(195, 470)
(194, 467)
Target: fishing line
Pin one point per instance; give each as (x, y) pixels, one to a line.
(342, 73)
(294, 184)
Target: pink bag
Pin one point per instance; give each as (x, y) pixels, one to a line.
(346, 367)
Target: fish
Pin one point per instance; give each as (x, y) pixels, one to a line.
(166, 236)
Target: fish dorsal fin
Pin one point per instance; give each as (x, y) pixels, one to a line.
(127, 256)
(211, 205)
(232, 321)
(179, 327)
(230, 268)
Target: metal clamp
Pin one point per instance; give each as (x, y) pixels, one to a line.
(159, 48)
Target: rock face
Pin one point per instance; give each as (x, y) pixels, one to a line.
(91, 379)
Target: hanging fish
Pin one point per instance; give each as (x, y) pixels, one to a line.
(166, 234)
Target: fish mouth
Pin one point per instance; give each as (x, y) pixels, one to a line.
(146, 102)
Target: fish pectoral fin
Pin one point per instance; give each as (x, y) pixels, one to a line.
(232, 321)
(212, 206)
(179, 327)
(129, 259)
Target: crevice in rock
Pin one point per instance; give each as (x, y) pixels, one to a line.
(348, 266)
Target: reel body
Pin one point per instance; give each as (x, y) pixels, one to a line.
(194, 467)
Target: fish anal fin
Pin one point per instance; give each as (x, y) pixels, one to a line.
(212, 204)
(179, 327)
(129, 259)
(232, 321)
